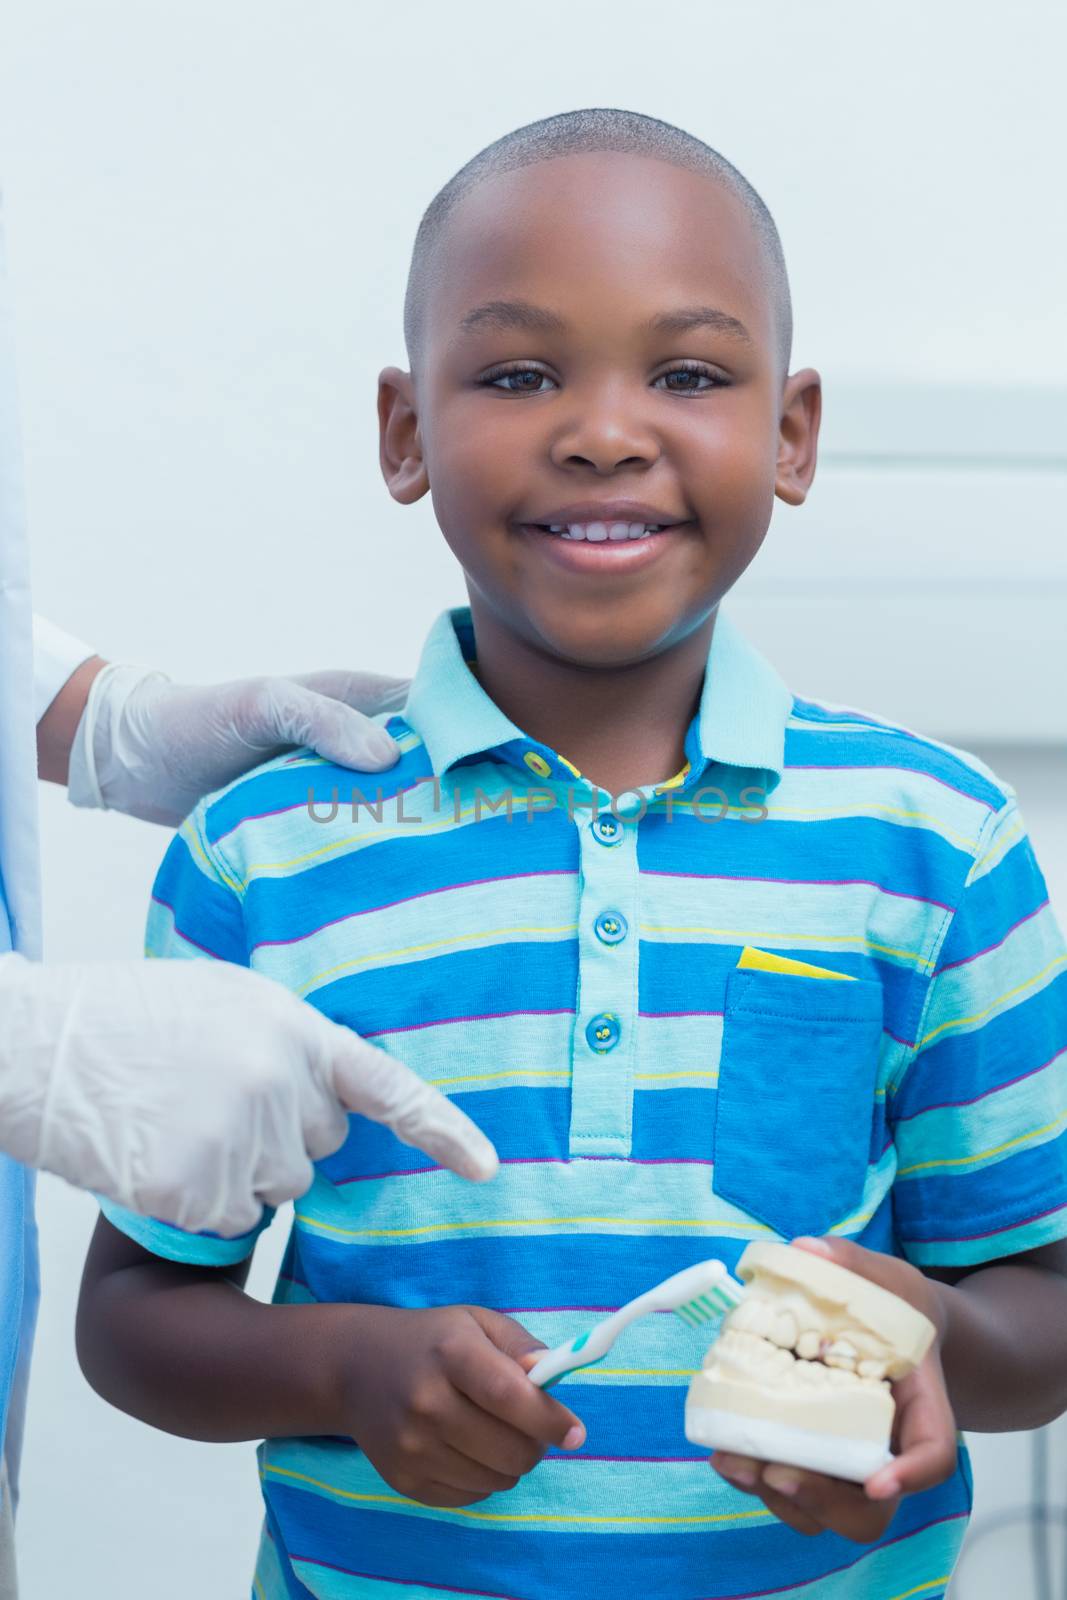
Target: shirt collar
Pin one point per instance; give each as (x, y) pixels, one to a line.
(741, 719)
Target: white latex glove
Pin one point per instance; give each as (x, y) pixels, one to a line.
(153, 748)
(197, 1091)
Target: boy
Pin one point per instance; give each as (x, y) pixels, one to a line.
(598, 325)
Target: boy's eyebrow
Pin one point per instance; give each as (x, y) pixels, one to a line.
(537, 319)
(698, 317)
(514, 314)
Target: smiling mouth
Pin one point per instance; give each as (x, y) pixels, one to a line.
(602, 532)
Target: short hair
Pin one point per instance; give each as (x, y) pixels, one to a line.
(576, 132)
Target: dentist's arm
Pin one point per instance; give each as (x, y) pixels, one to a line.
(196, 1091)
(127, 739)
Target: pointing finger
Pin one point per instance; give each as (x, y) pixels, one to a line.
(377, 1085)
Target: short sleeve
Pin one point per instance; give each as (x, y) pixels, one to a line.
(196, 907)
(979, 1113)
(195, 913)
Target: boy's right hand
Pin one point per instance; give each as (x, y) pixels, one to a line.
(439, 1401)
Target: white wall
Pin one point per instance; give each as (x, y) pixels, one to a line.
(210, 209)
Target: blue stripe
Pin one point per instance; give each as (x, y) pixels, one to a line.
(522, 1123)
(469, 983)
(539, 1270)
(283, 786)
(875, 748)
(913, 862)
(1016, 880)
(1003, 1195)
(399, 868)
(203, 911)
(535, 1271)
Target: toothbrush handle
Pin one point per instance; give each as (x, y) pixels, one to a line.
(552, 1365)
(597, 1342)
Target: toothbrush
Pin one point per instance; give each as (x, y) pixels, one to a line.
(704, 1293)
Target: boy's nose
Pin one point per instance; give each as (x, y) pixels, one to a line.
(605, 436)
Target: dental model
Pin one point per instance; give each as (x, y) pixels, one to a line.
(801, 1371)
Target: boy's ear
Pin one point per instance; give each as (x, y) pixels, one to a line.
(400, 447)
(798, 436)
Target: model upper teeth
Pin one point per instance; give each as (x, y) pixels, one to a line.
(595, 531)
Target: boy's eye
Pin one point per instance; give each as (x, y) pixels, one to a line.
(695, 379)
(693, 370)
(502, 376)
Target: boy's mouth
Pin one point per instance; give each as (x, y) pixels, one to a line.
(596, 532)
(604, 535)
(615, 522)
(599, 547)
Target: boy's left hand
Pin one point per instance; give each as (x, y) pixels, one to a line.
(924, 1429)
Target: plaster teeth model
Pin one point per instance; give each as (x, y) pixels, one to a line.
(801, 1371)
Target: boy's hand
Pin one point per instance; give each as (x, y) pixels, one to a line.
(439, 1401)
(924, 1429)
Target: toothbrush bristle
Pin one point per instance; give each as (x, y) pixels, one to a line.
(709, 1307)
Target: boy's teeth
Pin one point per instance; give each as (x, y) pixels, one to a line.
(595, 532)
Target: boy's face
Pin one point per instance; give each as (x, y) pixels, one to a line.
(696, 425)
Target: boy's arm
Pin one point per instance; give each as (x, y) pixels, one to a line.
(185, 1349)
(438, 1399)
(1004, 1345)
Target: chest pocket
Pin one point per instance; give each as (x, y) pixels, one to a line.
(797, 1080)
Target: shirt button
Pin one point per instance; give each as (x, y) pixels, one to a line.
(610, 927)
(537, 763)
(602, 1033)
(606, 830)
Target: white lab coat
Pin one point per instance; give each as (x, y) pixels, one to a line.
(24, 694)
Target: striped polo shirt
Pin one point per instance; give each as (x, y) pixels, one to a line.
(565, 965)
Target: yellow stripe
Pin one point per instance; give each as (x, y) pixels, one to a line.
(390, 957)
(191, 839)
(923, 1588)
(985, 1155)
(508, 1072)
(529, 1222)
(565, 1072)
(503, 1516)
(859, 1220)
(1000, 848)
(1020, 988)
(261, 1593)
